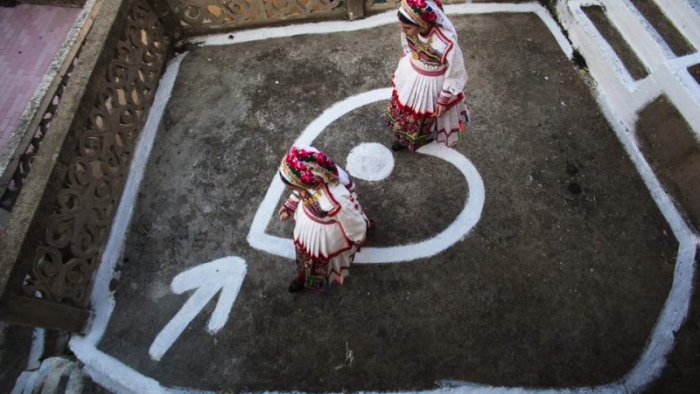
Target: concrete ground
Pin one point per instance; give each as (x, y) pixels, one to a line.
(559, 284)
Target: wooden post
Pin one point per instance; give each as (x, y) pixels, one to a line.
(36, 312)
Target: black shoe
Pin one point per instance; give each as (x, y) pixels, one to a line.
(296, 285)
(397, 146)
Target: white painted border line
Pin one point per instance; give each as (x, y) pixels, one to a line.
(385, 18)
(116, 376)
(682, 15)
(37, 349)
(613, 61)
(102, 299)
(456, 231)
(622, 93)
(677, 303)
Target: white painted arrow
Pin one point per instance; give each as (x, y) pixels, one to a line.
(224, 274)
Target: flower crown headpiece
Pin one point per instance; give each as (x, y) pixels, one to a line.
(311, 168)
(420, 12)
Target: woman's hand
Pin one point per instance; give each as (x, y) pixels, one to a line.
(283, 214)
(440, 111)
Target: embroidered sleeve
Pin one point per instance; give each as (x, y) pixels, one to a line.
(351, 217)
(456, 75)
(292, 203)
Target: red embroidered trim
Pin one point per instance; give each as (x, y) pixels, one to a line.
(308, 252)
(427, 73)
(336, 206)
(444, 39)
(448, 134)
(422, 115)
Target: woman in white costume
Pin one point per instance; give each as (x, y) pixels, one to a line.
(428, 100)
(330, 226)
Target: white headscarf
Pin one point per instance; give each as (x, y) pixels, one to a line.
(441, 20)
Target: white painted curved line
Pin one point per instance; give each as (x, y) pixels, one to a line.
(465, 221)
(284, 247)
(456, 231)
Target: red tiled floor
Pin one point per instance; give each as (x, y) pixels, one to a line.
(30, 36)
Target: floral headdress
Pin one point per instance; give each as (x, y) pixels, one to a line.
(308, 168)
(421, 12)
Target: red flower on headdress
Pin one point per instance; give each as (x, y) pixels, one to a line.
(420, 4)
(308, 178)
(303, 154)
(428, 16)
(322, 160)
(296, 165)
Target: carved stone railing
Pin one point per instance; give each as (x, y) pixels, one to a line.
(383, 5)
(210, 16)
(62, 217)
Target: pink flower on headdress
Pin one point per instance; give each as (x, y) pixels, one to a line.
(297, 166)
(416, 4)
(308, 178)
(322, 160)
(303, 154)
(428, 16)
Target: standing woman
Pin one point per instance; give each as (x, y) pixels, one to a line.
(330, 226)
(428, 100)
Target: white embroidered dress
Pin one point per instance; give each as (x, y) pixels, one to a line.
(430, 72)
(330, 228)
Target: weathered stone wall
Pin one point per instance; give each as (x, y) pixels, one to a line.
(60, 223)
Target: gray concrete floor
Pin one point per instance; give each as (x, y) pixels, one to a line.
(558, 285)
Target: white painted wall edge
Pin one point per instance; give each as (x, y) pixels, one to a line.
(682, 15)
(626, 96)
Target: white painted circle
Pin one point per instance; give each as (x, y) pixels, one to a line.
(455, 232)
(370, 161)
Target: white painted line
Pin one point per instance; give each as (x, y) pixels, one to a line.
(455, 232)
(119, 378)
(630, 23)
(465, 221)
(76, 382)
(686, 20)
(37, 349)
(385, 18)
(617, 110)
(102, 300)
(624, 95)
(104, 369)
(676, 307)
(24, 383)
(225, 275)
(257, 237)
